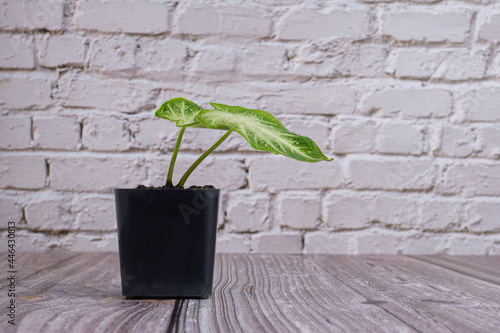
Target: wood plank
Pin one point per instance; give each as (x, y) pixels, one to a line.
(263, 293)
(84, 295)
(427, 297)
(286, 293)
(29, 263)
(25, 262)
(479, 267)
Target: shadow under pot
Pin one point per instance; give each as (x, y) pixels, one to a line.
(166, 241)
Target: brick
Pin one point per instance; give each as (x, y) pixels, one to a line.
(338, 59)
(277, 243)
(115, 16)
(435, 103)
(96, 174)
(230, 243)
(451, 65)
(426, 244)
(378, 242)
(263, 60)
(16, 52)
(59, 51)
(274, 173)
(429, 27)
(49, 213)
(152, 60)
(279, 2)
(369, 61)
(482, 216)
(247, 93)
(490, 29)
(193, 89)
(15, 132)
(471, 245)
(391, 173)
(113, 53)
(494, 68)
(331, 243)
(489, 141)
(482, 105)
(199, 21)
(309, 24)
(214, 62)
(10, 211)
(25, 91)
(207, 173)
(457, 141)
(299, 210)
(341, 212)
(398, 211)
(463, 64)
(105, 134)
(435, 1)
(413, 63)
(22, 171)
(28, 241)
(221, 216)
(95, 213)
(31, 14)
(324, 99)
(87, 242)
(248, 212)
(400, 138)
(56, 133)
(232, 21)
(155, 132)
(471, 179)
(354, 137)
(110, 94)
(441, 215)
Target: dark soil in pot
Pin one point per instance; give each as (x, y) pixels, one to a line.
(167, 241)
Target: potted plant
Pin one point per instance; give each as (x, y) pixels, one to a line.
(167, 234)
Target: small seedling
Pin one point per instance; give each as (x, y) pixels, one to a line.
(260, 128)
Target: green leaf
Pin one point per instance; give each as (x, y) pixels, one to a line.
(263, 131)
(180, 110)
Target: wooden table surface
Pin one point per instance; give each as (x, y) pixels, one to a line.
(80, 292)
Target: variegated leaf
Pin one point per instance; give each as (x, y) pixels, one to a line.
(263, 131)
(180, 110)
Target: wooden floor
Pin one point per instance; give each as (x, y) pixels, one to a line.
(80, 292)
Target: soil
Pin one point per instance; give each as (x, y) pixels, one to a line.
(171, 186)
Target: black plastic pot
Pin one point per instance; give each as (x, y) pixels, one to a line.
(166, 241)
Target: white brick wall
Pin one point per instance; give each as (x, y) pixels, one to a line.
(426, 26)
(31, 15)
(56, 133)
(66, 50)
(17, 51)
(404, 94)
(305, 23)
(136, 17)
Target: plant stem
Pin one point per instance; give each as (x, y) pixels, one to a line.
(174, 157)
(201, 158)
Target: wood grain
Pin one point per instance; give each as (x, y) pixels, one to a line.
(80, 292)
(426, 297)
(485, 268)
(28, 263)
